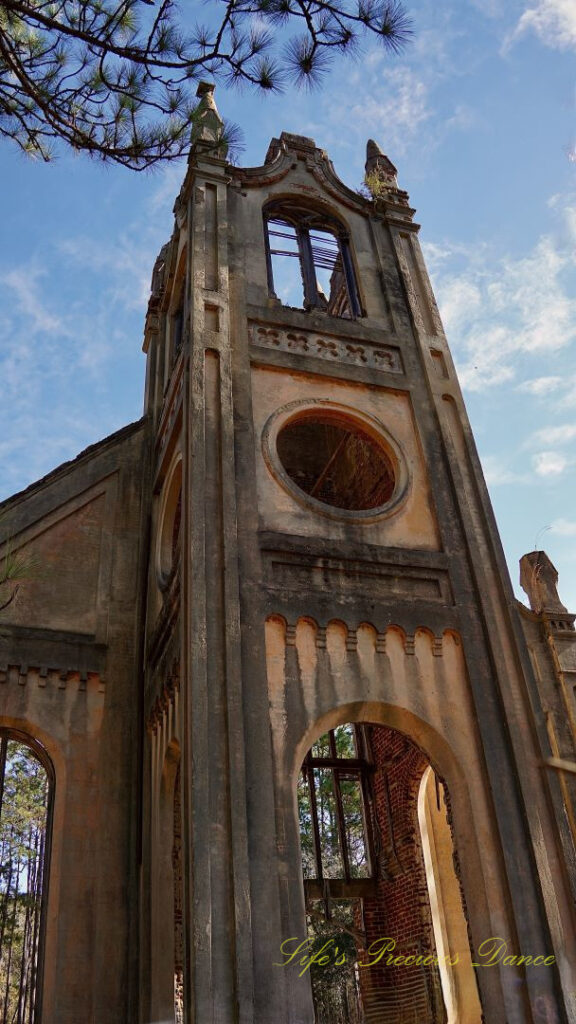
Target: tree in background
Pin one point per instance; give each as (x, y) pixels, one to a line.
(24, 796)
(117, 79)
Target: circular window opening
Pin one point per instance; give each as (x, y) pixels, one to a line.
(336, 462)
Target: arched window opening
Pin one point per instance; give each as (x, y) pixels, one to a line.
(365, 866)
(309, 261)
(25, 798)
(334, 826)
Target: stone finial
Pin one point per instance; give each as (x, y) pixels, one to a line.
(208, 124)
(539, 580)
(378, 165)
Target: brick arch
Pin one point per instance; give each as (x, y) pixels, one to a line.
(433, 746)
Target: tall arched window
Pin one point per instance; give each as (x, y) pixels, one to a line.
(309, 260)
(26, 784)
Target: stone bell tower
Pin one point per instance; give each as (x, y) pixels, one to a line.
(329, 618)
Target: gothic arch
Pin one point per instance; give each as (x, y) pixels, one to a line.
(404, 833)
(27, 786)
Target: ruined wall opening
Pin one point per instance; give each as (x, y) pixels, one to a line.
(309, 260)
(366, 832)
(26, 789)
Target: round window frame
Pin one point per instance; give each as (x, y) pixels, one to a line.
(168, 504)
(345, 415)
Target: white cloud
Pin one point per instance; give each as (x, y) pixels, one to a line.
(460, 297)
(496, 472)
(128, 263)
(564, 527)
(499, 310)
(23, 282)
(541, 385)
(561, 434)
(549, 463)
(553, 21)
(394, 110)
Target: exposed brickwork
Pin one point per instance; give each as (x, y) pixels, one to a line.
(400, 911)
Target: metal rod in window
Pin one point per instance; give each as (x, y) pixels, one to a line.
(368, 837)
(269, 272)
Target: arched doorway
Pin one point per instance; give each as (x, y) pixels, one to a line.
(379, 875)
(26, 789)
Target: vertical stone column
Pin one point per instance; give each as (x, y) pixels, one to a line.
(217, 890)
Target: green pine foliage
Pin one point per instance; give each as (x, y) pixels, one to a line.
(24, 790)
(116, 79)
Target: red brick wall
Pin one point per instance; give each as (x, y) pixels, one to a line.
(400, 911)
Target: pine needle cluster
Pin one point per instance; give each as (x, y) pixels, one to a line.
(117, 79)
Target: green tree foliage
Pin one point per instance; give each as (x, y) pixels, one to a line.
(24, 792)
(329, 786)
(333, 925)
(116, 79)
(335, 982)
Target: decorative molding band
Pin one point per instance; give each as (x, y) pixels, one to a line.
(293, 572)
(351, 642)
(363, 353)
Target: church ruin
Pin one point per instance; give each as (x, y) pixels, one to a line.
(277, 743)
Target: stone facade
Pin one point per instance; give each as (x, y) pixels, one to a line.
(203, 618)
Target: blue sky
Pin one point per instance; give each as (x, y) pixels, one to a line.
(479, 116)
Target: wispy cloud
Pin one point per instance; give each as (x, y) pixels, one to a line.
(562, 434)
(550, 463)
(541, 385)
(402, 104)
(393, 109)
(24, 283)
(497, 472)
(564, 527)
(124, 261)
(553, 21)
(496, 310)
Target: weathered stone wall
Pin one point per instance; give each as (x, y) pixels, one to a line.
(69, 677)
